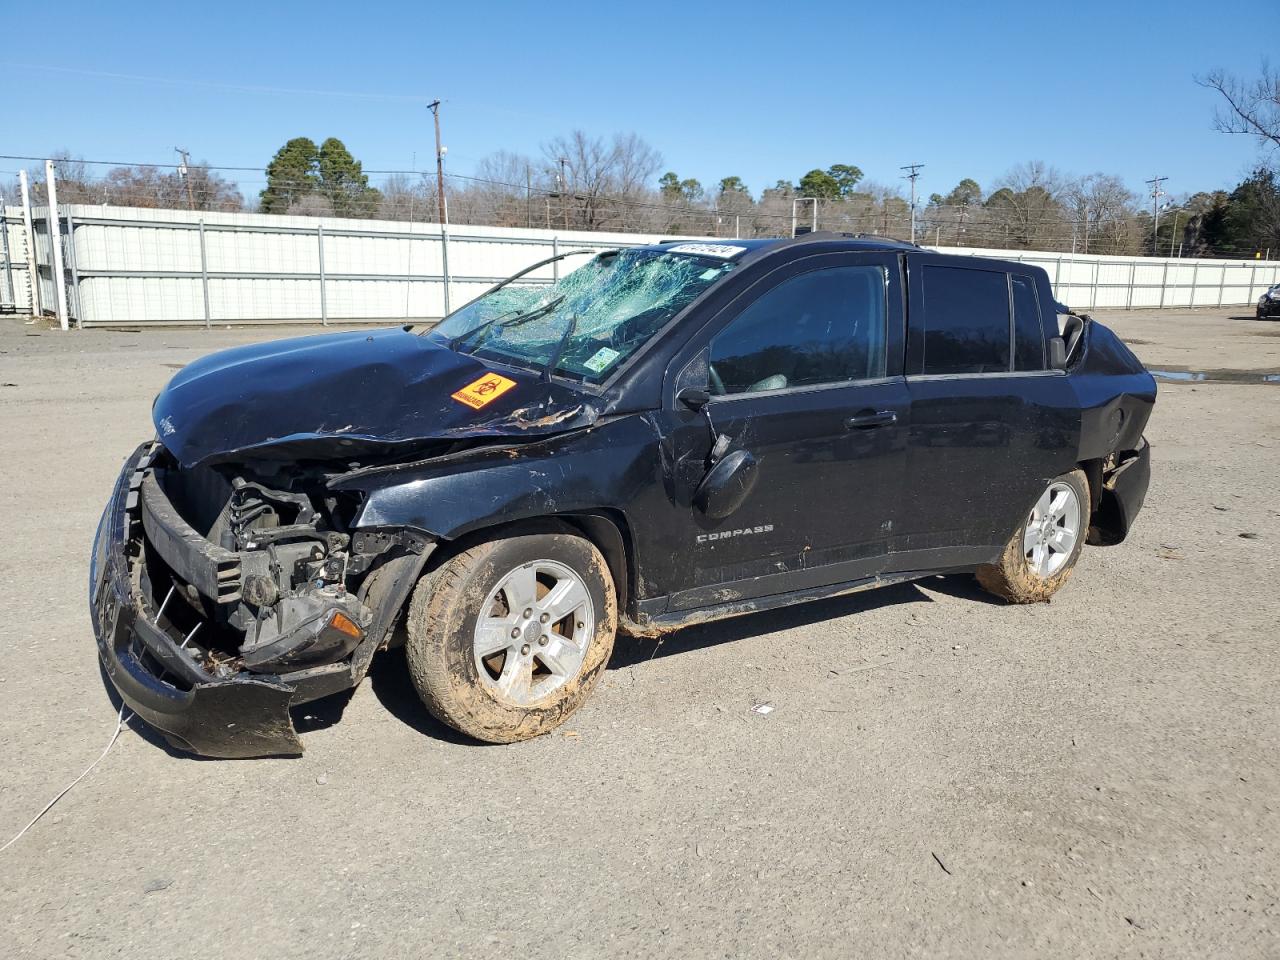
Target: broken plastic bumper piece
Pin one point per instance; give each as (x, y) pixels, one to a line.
(216, 713)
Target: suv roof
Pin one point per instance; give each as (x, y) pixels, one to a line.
(859, 241)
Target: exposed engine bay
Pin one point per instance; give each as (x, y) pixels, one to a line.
(256, 572)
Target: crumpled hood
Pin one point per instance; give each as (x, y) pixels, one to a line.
(343, 393)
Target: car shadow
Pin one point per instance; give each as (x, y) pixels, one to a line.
(320, 714)
(629, 651)
(962, 586)
(389, 679)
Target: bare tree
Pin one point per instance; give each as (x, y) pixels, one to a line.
(1028, 202)
(1100, 206)
(1253, 106)
(602, 176)
(142, 186)
(408, 197)
(311, 205)
(137, 186)
(75, 183)
(502, 189)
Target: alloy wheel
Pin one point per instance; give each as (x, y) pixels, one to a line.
(1052, 530)
(533, 631)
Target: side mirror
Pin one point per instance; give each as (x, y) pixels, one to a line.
(726, 485)
(695, 398)
(1057, 353)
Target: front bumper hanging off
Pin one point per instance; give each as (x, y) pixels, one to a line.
(243, 715)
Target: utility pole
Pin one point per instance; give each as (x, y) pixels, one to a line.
(184, 174)
(1156, 194)
(914, 169)
(434, 107)
(564, 184)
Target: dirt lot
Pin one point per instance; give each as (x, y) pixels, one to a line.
(942, 775)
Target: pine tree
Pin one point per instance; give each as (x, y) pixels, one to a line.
(344, 183)
(291, 175)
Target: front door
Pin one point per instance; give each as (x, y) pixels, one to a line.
(804, 375)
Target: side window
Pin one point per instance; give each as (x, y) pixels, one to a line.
(827, 326)
(966, 320)
(1028, 335)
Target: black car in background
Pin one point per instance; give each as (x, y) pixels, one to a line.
(1269, 303)
(664, 435)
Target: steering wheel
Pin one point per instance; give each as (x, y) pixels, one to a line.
(717, 385)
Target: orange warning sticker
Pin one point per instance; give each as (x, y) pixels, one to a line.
(484, 391)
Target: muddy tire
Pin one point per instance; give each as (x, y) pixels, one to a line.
(509, 637)
(1041, 555)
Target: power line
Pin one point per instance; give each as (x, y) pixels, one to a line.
(560, 161)
(502, 203)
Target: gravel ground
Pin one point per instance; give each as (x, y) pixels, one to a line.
(942, 775)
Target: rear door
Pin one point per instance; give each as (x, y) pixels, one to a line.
(805, 374)
(990, 425)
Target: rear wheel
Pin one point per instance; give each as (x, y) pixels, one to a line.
(1042, 554)
(509, 637)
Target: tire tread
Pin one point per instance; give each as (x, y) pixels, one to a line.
(1009, 577)
(439, 604)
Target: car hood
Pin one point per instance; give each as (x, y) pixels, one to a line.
(346, 394)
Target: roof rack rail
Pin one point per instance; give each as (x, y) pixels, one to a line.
(837, 235)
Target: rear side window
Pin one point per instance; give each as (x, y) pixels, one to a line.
(966, 320)
(827, 326)
(1028, 335)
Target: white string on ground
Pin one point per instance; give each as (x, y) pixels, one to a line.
(120, 722)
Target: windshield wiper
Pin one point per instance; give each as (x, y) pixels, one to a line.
(554, 360)
(513, 321)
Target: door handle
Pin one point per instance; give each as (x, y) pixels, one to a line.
(868, 419)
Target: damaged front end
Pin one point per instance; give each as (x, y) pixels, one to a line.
(220, 599)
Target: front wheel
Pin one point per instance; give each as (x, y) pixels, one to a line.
(1041, 554)
(508, 638)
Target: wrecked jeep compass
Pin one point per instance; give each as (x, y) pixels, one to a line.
(664, 435)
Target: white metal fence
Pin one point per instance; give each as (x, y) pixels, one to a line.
(14, 282)
(133, 267)
(1130, 283)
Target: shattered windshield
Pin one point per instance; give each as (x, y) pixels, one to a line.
(585, 324)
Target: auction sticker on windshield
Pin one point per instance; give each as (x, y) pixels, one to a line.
(723, 250)
(484, 391)
(601, 359)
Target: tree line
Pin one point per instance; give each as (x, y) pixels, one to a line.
(584, 182)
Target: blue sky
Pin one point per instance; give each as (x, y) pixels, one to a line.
(761, 90)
